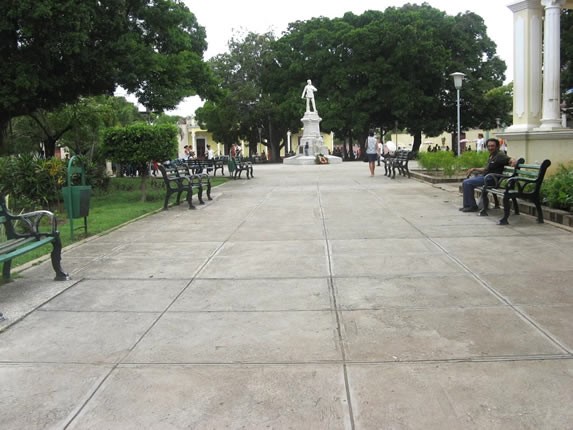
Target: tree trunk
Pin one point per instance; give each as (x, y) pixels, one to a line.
(350, 147)
(417, 141)
(49, 148)
(143, 184)
(275, 152)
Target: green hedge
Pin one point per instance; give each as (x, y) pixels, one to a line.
(446, 161)
(557, 189)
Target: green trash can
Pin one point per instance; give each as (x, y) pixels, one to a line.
(77, 197)
(77, 200)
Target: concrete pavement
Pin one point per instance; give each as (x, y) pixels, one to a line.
(311, 297)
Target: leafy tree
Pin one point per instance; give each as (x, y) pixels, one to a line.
(317, 50)
(77, 126)
(382, 67)
(54, 52)
(139, 144)
(497, 101)
(245, 111)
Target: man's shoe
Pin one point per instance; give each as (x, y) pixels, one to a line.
(471, 209)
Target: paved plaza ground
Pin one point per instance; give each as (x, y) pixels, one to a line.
(311, 297)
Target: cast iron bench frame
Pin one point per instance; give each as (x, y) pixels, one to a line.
(23, 234)
(206, 166)
(198, 172)
(176, 179)
(240, 165)
(523, 182)
(398, 161)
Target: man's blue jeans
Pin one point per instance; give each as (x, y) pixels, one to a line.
(469, 185)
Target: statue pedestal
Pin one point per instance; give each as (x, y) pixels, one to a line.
(311, 143)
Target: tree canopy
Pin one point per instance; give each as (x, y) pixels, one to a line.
(54, 52)
(373, 70)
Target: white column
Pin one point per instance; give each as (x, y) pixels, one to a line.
(551, 118)
(193, 143)
(288, 143)
(527, 57)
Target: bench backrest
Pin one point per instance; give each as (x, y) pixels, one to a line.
(169, 173)
(532, 176)
(6, 218)
(402, 155)
(511, 171)
(198, 166)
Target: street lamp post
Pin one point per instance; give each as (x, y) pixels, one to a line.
(458, 80)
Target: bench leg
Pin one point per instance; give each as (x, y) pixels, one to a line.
(190, 198)
(166, 203)
(200, 193)
(6, 269)
(506, 209)
(515, 206)
(484, 202)
(209, 189)
(56, 257)
(539, 212)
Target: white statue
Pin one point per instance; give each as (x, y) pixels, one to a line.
(308, 93)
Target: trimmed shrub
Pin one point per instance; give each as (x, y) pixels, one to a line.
(471, 159)
(32, 182)
(557, 189)
(441, 160)
(449, 163)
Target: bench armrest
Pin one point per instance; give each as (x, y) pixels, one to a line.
(497, 178)
(521, 183)
(31, 221)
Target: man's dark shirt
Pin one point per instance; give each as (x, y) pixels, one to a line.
(496, 162)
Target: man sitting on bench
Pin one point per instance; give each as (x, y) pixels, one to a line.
(496, 162)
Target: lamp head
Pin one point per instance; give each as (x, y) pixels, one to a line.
(458, 79)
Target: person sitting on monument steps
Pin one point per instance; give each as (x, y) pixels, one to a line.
(496, 162)
(308, 92)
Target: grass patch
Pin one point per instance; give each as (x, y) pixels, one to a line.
(120, 204)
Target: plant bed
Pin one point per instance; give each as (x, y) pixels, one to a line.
(435, 176)
(557, 216)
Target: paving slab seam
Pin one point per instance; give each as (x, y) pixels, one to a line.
(153, 324)
(471, 359)
(496, 293)
(332, 294)
(12, 323)
(476, 359)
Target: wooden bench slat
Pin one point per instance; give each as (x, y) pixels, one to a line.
(21, 250)
(11, 244)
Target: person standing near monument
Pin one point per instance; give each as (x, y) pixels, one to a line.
(308, 93)
(371, 151)
(480, 143)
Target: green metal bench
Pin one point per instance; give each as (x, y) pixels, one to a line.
(523, 182)
(23, 235)
(178, 179)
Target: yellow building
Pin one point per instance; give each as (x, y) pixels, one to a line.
(191, 134)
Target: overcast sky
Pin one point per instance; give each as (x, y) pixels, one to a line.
(222, 19)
